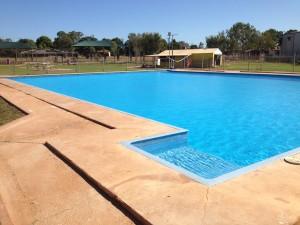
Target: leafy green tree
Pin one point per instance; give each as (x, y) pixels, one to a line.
(44, 42)
(88, 38)
(145, 44)
(218, 41)
(179, 44)
(193, 46)
(120, 46)
(135, 43)
(270, 39)
(201, 45)
(242, 37)
(5, 40)
(114, 48)
(75, 36)
(163, 45)
(28, 42)
(151, 43)
(64, 41)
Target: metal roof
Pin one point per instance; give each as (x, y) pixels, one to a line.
(103, 43)
(187, 52)
(14, 45)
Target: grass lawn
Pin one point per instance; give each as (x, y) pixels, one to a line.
(259, 66)
(24, 69)
(253, 66)
(8, 112)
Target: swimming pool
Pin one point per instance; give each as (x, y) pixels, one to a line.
(233, 121)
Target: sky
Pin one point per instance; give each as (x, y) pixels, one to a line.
(191, 20)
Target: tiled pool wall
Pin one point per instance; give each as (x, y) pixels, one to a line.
(154, 144)
(157, 144)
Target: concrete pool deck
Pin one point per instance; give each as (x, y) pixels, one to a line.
(38, 182)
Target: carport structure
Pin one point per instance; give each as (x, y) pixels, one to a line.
(185, 58)
(14, 46)
(101, 47)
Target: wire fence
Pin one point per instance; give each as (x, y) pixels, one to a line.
(52, 65)
(262, 64)
(237, 63)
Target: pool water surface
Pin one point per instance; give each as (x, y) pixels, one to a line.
(233, 121)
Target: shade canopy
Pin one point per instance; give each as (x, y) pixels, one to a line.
(14, 45)
(103, 43)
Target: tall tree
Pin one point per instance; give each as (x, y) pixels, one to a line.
(28, 42)
(5, 40)
(201, 45)
(218, 41)
(114, 48)
(135, 42)
(270, 39)
(242, 37)
(64, 41)
(120, 46)
(179, 44)
(44, 42)
(151, 43)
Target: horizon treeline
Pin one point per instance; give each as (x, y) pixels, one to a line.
(240, 38)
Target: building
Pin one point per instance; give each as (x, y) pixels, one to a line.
(101, 47)
(290, 44)
(185, 58)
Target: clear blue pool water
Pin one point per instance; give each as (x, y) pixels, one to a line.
(233, 120)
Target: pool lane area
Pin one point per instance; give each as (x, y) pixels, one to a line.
(233, 121)
(150, 191)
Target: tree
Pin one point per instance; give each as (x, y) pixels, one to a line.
(75, 36)
(218, 41)
(193, 46)
(151, 43)
(201, 45)
(114, 48)
(135, 43)
(44, 42)
(120, 46)
(163, 45)
(5, 40)
(270, 39)
(183, 45)
(179, 44)
(27, 42)
(64, 41)
(242, 37)
(88, 38)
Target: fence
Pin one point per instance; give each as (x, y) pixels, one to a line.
(239, 63)
(49, 65)
(261, 64)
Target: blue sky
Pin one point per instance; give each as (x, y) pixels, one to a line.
(192, 20)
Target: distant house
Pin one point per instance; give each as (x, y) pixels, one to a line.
(184, 58)
(290, 44)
